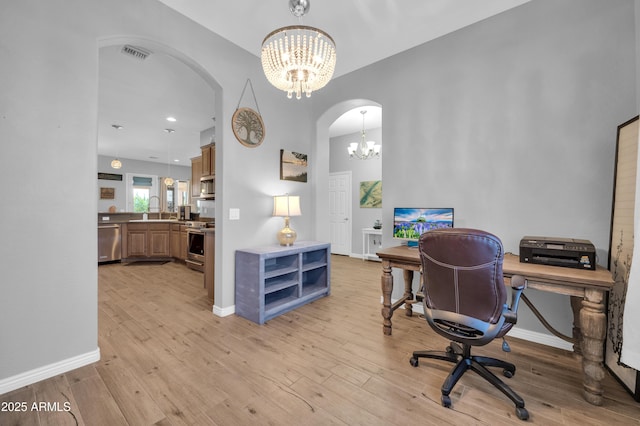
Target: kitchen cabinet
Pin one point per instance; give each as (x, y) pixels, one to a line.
(209, 263)
(208, 160)
(178, 241)
(147, 241)
(273, 280)
(196, 174)
(136, 240)
(184, 243)
(159, 242)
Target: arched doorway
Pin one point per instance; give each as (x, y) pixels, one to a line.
(180, 63)
(324, 155)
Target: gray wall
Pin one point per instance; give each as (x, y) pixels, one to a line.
(132, 166)
(512, 121)
(48, 121)
(361, 170)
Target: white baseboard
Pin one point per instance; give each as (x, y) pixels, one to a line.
(541, 338)
(520, 333)
(223, 312)
(47, 371)
(360, 256)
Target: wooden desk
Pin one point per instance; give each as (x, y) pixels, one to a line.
(586, 288)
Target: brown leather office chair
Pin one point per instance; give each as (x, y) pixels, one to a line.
(465, 301)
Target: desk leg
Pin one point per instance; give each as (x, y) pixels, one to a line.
(593, 322)
(408, 291)
(576, 306)
(387, 287)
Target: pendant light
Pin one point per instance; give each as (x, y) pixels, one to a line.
(168, 181)
(363, 150)
(298, 58)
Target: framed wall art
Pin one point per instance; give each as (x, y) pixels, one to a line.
(107, 193)
(621, 251)
(371, 194)
(293, 166)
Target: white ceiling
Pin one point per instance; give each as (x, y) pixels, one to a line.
(365, 31)
(139, 95)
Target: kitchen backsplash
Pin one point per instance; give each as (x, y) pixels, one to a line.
(207, 208)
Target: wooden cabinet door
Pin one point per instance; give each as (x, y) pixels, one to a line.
(159, 241)
(212, 159)
(184, 241)
(206, 160)
(196, 174)
(136, 243)
(175, 242)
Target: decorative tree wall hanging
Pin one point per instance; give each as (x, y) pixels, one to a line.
(247, 124)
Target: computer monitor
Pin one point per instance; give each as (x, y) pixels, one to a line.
(410, 222)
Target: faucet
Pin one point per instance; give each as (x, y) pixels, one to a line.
(151, 198)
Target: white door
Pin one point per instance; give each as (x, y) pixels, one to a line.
(340, 212)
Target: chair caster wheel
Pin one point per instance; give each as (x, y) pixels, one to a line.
(522, 413)
(508, 374)
(413, 361)
(449, 350)
(446, 401)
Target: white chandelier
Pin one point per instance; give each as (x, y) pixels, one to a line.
(363, 150)
(298, 58)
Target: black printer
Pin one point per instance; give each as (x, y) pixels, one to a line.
(567, 252)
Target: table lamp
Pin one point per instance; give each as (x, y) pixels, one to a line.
(286, 206)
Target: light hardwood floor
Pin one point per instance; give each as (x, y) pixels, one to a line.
(167, 360)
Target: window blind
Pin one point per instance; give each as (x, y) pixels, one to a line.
(142, 181)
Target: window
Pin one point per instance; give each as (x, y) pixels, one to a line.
(140, 190)
(140, 199)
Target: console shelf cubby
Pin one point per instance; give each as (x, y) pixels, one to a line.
(275, 279)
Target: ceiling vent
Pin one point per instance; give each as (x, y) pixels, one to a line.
(136, 52)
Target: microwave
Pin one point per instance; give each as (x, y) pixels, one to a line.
(208, 187)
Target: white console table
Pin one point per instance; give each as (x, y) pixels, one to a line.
(367, 252)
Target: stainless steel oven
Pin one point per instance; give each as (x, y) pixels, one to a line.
(195, 246)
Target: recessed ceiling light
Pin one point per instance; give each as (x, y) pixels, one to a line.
(176, 160)
(171, 119)
(169, 130)
(117, 126)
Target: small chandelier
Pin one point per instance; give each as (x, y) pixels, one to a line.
(298, 58)
(363, 150)
(168, 181)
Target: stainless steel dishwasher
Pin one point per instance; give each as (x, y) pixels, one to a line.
(109, 243)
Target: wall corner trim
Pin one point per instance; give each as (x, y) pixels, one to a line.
(223, 312)
(41, 373)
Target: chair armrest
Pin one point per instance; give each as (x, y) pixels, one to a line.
(518, 284)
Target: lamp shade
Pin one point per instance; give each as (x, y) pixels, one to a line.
(286, 205)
